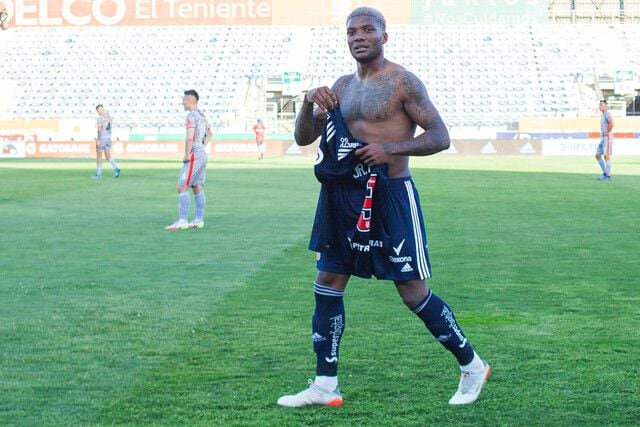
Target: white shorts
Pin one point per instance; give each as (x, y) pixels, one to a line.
(194, 171)
(104, 146)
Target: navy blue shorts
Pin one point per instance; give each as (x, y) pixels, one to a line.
(395, 247)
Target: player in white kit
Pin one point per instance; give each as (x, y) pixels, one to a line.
(103, 143)
(194, 166)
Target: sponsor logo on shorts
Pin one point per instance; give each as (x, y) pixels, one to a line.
(406, 268)
(365, 247)
(399, 259)
(398, 248)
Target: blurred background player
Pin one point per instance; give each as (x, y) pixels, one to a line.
(194, 165)
(103, 143)
(4, 19)
(606, 141)
(259, 129)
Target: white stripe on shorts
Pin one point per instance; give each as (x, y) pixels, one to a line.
(421, 261)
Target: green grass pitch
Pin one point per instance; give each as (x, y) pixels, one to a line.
(105, 318)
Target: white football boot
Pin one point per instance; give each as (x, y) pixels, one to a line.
(470, 386)
(313, 395)
(196, 223)
(180, 224)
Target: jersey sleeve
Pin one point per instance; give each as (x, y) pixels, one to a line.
(191, 123)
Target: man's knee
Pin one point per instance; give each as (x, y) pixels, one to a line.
(332, 280)
(412, 292)
(607, 157)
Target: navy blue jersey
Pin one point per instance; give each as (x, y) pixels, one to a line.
(336, 160)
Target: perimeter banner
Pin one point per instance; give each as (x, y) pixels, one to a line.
(170, 150)
(487, 12)
(47, 13)
(335, 12)
(44, 13)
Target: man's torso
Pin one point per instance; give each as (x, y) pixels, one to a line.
(604, 122)
(198, 121)
(259, 130)
(104, 126)
(373, 112)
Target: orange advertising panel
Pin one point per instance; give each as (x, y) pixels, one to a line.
(34, 13)
(33, 125)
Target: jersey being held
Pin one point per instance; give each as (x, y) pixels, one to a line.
(348, 197)
(604, 122)
(197, 121)
(104, 125)
(336, 160)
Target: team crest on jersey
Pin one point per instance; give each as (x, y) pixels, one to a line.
(319, 156)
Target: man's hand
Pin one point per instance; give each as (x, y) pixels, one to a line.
(323, 97)
(373, 154)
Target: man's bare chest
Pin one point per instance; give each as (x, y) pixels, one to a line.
(375, 101)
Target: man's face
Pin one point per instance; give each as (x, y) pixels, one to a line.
(365, 38)
(100, 110)
(186, 102)
(603, 107)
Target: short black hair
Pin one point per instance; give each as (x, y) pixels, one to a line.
(99, 105)
(371, 12)
(192, 93)
(603, 100)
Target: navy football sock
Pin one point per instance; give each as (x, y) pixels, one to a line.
(439, 319)
(328, 325)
